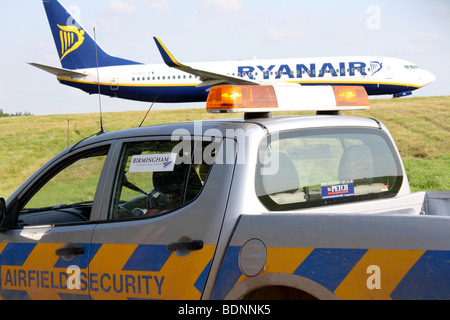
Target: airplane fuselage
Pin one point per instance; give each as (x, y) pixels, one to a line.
(85, 65)
(160, 83)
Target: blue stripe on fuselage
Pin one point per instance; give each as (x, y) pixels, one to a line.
(190, 93)
(146, 93)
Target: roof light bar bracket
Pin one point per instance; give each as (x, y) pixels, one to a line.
(257, 115)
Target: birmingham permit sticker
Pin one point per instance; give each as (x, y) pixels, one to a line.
(153, 163)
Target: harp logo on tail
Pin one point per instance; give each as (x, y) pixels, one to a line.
(71, 39)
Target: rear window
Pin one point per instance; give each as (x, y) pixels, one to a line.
(307, 168)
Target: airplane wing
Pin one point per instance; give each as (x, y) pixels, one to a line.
(208, 78)
(58, 71)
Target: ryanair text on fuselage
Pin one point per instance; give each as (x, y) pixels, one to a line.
(341, 69)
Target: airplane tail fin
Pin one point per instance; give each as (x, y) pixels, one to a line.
(75, 46)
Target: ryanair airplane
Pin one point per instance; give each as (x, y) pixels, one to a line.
(86, 66)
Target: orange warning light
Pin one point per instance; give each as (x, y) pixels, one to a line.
(239, 98)
(351, 96)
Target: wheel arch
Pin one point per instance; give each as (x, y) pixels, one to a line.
(272, 283)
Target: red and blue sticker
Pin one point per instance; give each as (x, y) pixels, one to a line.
(338, 191)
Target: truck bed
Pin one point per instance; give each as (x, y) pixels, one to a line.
(436, 203)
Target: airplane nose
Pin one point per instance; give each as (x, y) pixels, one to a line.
(427, 77)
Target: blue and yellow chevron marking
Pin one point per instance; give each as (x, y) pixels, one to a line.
(405, 274)
(110, 271)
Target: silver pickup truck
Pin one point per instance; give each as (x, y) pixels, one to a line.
(290, 207)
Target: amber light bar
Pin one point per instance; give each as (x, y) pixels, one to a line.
(268, 98)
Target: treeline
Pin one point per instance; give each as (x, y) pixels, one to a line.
(17, 114)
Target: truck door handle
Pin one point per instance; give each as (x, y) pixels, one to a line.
(72, 250)
(191, 245)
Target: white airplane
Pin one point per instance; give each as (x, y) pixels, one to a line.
(86, 66)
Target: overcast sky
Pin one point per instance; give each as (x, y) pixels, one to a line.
(214, 30)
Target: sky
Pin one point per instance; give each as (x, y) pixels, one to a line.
(216, 30)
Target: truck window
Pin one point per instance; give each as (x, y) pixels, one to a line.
(158, 177)
(306, 168)
(66, 196)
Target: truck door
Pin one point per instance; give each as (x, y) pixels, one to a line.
(46, 254)
(164, 219)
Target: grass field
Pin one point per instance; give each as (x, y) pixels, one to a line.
(420, 127)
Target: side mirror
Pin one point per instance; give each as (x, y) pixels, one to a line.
(3, 219)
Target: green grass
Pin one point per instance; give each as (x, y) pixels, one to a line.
(429, 174)
(421, 130)
(420, 127)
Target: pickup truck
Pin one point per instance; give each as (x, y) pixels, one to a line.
(286, 207)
